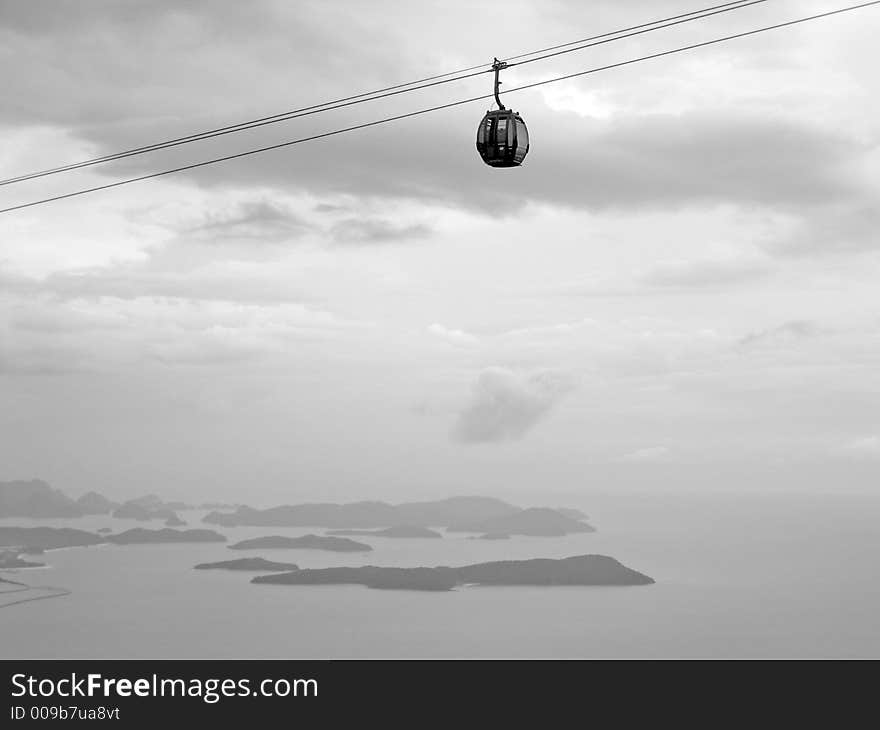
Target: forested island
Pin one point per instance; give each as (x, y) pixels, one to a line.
(252, 564)
(580, 570)
(305, 542)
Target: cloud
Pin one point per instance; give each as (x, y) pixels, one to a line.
(848, 226)
(129, 282)
(708, 272)
(44, 334)
(867, 447)
(18, 358)
(162, 56)
(626, 163)
(50, 319)
(648, 455)
(211, 347)
(506, 405)
(256, 220)
(453, 336)
(367, 231)
(549, 330)
(794, 330)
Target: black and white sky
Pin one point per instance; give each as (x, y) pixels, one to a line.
(679, 287)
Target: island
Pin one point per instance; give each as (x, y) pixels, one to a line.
(254, 564)
(536, 521)
(150, 507)
(46, 538)
(306, 542)
(414, 579)
(580, 570)
(404, 531)
(367, 515)
(36, 499)
(491, 536)
(10, 559)
(141, 536)
(93, 503)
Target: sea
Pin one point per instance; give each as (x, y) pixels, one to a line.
(737, 575)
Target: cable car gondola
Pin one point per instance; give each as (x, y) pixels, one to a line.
(502, 137)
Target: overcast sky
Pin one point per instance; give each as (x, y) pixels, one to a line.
(678, 288)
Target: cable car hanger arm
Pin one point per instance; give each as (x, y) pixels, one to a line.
(497, 66)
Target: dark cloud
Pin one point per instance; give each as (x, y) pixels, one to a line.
(44, 17)
(506, 405)
(259, 220)
(650, 161)
(330, 208)
(365, 231)
(124, 73)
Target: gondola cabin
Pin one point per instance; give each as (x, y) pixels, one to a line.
(502, 138)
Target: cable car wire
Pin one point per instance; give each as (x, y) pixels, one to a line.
(440, 107)
(624, 30)
(622, 37)
(460, 75)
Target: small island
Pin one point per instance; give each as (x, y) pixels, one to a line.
(93, 503)
(150, 507)
(580, 570)
(141, 536)
(255, 564)
(402, 531)
(306, 542)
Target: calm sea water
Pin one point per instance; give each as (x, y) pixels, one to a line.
(737, 576)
